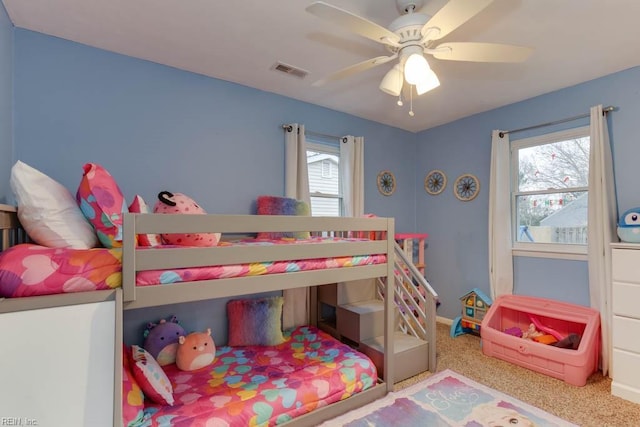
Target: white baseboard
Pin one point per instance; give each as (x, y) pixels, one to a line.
(444, 320)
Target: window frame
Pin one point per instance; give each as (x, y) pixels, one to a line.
(332, 149)
(542, 250)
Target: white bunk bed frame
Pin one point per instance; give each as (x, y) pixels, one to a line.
(137, 259)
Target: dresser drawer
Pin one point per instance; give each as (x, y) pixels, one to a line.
(626, 332)
(625, 368)
(625, 265)
(625, 299)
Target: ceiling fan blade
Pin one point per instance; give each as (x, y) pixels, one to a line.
(356, 68)
(480, 52)
(354, 23)
(451, 16)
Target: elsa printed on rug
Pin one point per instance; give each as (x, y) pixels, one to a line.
(448, 399)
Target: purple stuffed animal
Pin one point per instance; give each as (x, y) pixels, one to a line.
(161, 340)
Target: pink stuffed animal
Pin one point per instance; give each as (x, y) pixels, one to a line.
(195, 351)
(178, 203)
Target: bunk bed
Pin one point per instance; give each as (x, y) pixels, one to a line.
(137, 260)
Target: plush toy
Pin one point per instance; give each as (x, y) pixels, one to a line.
(161, 340)
(178, 203)
(571, 341)
(531, 333)
(515, 331)
(195, 351)
(629, 226)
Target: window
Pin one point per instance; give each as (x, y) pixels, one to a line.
(549, 196)
(323, 162)
(327, 168)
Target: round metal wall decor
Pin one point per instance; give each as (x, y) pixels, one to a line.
(466, 187)
(386, 183)
(435, 182)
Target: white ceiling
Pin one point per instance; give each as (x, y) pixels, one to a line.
(240, 41)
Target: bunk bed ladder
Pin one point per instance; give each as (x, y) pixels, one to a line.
(416, 301)
(359, 317)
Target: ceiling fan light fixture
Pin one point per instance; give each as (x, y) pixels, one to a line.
(392, 81)
(429, 81)
(415, 68)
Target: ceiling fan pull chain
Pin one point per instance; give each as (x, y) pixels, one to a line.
(411, 101)
(400, 82)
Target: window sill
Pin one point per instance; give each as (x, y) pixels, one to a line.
(573, 254)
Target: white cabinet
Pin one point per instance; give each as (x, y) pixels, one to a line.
(58, 365)
(626, 321)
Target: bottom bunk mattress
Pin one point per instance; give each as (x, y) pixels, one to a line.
(265, 385)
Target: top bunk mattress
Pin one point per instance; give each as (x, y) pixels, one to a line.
(30, 270)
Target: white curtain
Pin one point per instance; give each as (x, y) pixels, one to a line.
(352, 175)
(295, 311)
(500, 256)
(602, 219)
(296, 174)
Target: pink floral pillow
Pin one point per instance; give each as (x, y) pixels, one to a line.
(102, 203)
(132, 397)
(139, 206)
(149, 374)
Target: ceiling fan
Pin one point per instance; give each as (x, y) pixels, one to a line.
(414, 35)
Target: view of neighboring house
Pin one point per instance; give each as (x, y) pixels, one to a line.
(566, 225)
(324, 184)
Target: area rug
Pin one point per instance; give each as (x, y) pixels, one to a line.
(447, 399)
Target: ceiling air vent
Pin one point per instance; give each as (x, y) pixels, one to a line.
(289, 69)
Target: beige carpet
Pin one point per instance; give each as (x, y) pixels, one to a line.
(588, 406)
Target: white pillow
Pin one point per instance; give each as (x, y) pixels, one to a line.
(48, 212)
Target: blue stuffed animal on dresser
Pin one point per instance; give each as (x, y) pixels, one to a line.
(629, 226)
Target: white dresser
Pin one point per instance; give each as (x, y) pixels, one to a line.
(58, 366)
(626, 320)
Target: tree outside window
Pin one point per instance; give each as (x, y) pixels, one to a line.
(550, 188)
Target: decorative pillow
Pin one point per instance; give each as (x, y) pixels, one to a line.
(153, 381)
(274, 205)
(139, 206)
(132, 397)
(255, 321)
(102, 203)
(48, 212)
(195, 351)
(178, 203)
(161, 340)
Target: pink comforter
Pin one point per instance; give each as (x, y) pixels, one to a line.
(265, 386)
(28, 269)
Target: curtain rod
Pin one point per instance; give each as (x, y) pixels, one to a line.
(605, 110)
(289, 128)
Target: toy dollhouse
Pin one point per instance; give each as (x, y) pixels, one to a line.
(475, 305)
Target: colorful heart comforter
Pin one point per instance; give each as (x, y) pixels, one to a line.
(28, 269)
(265, 385)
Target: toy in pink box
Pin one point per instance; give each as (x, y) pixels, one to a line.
(178, 203)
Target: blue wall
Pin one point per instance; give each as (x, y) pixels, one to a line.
(457, 256)
(158, 128)
(6, 101)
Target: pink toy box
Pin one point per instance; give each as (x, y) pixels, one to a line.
(553, 317)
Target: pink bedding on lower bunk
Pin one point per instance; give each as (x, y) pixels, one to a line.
(28, 269)
(265, 386)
